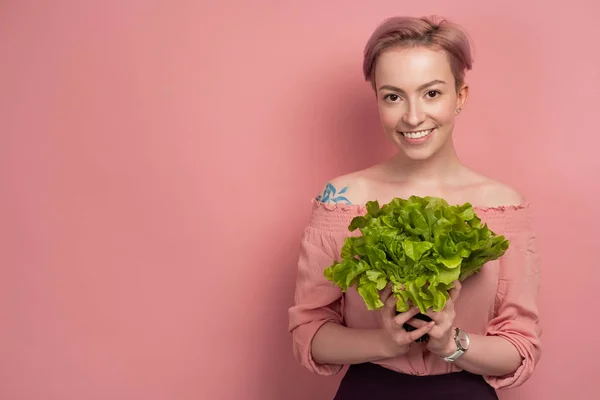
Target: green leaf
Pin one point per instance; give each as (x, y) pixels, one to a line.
(448, 275)
(439, 301)
(357, 223)
(370, 294)
(421, 281)
(451, 262)
(377, 277)
(373, 209)
(465, 212)
(415, 297)
(415, 249)
(420, 245)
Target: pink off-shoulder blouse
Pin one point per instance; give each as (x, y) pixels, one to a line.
(501, 300)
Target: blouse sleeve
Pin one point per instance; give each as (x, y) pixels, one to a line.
(516, 318)
(316, 300)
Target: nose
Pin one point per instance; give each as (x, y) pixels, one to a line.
(414, 114)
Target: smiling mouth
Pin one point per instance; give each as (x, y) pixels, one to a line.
(417, 134)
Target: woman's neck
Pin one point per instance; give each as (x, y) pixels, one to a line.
(441, 168)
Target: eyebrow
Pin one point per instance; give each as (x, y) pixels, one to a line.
(422, 87)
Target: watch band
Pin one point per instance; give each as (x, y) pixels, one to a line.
(459, 335)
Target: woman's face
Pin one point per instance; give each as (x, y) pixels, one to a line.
(417, 99)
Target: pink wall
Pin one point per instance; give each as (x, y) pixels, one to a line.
(136, 135)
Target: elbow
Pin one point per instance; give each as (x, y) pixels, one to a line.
(527, 355)
(302, 337)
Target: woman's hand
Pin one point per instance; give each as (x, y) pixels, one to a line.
(441, 336)
(396, 339)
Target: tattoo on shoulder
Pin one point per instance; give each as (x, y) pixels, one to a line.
(331, 195)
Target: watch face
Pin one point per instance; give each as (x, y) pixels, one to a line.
(463, 339)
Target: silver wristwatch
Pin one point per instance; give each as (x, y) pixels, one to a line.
(462, 344)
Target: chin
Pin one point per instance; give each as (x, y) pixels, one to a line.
(417, 155)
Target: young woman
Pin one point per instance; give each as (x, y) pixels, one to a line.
(487, 336)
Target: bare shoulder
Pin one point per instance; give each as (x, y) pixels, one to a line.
(346, 189)
(496, 194)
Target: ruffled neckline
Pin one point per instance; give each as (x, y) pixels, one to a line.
(359, 209)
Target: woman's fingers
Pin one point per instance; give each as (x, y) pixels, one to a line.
(387, 291)
(416, 322)
(455, 291)
(416, 334)
(389, 307)
(402, 318)
(439, 316)
(388, 298)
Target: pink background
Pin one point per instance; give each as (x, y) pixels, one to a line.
(156, 175)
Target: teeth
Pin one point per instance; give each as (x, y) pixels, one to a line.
(417, 135)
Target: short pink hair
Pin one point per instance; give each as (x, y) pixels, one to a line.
(431, 32)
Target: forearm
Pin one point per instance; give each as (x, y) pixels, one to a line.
(338, 344)
(489, 355)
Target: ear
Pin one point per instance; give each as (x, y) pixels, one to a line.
(461, 96)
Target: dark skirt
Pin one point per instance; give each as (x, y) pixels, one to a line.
(369, 381)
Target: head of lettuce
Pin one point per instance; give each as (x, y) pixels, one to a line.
(420, 246)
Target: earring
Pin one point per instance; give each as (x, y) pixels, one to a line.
(458, 110)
